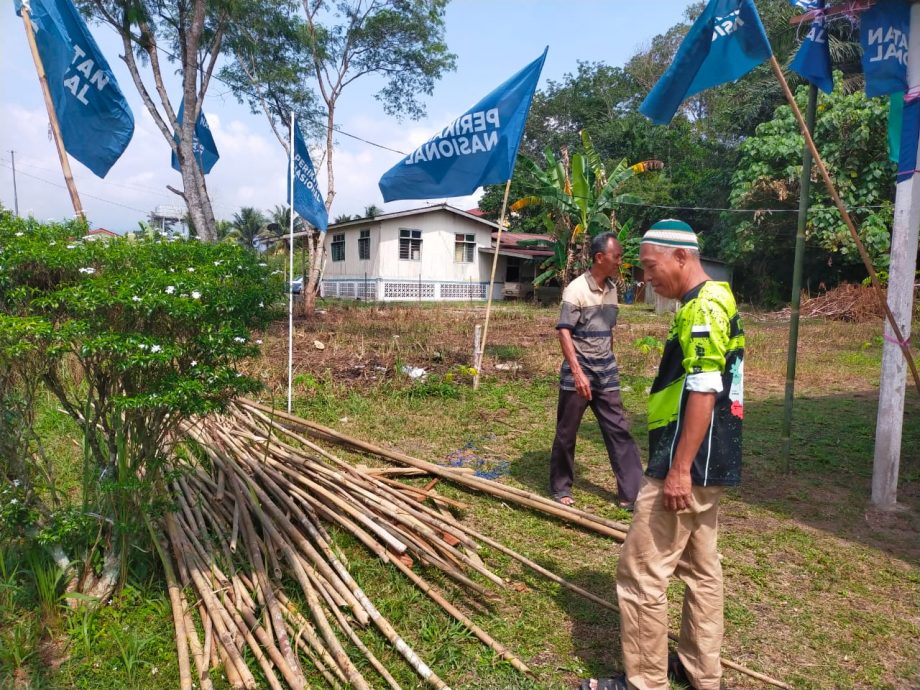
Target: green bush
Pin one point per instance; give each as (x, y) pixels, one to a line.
(133, 336)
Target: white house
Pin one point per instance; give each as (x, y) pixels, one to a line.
(432, 253)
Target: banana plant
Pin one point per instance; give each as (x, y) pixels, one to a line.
(578, 196)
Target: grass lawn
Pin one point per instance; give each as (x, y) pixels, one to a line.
(821, 591)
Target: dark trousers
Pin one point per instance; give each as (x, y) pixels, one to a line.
(621, 448)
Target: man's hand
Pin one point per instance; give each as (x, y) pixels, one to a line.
(582, 385)
(678, 490)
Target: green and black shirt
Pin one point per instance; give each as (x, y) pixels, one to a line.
(704, 352)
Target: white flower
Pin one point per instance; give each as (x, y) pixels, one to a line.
(16, 482)
(20, 234)
(71, 246)
(238, 339)
(14, 501)
(262, 304)
(143, 346)
(196, 294)
(154, 670)
(135, 299)
(155, 348)
(218, 263)
(259, 342)
(89, 269)
(263, 264)
(170, 289)
(52, 243)
(191, 269)
(194, 362)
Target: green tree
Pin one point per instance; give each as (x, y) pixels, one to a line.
(133, 336)
(578, 197)
(249, 225)
(851, 133)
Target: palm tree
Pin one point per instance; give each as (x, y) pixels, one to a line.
(579, 197)
(343, 218)
(372, 211)
(249, 225)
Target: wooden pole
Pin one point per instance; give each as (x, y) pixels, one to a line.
(477, 342)
(904, 230)
(477, 363)
(792, 351)
(838, 202)
(52, 115)
(290, 362)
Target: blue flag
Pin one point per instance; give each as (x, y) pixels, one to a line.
(202, 144)
(883, 32)
(910, 137)
(476, 149)
(726, 42)
(308, 202)
(96, 122)
(813, 61)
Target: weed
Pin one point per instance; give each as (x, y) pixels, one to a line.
(130, 646)
(9, 575)
(18, 643)
(48, 579)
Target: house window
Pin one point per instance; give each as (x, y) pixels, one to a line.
(338, 247)
(364, 245)
(513, 270)
(410, 244)
(464, 248)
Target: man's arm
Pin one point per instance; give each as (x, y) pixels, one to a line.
(582, 385)
(694, 426)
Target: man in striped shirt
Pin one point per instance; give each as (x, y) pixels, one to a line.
(589, 376)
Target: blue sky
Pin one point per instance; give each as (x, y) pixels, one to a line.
(492, 40)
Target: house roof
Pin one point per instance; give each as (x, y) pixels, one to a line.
(103, 232)
(435, 208)
(511, 244)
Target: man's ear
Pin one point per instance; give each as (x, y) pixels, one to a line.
(681, 256)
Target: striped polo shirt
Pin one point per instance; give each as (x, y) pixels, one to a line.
(589, 311)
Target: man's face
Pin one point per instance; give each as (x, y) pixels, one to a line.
(609, 260)
(662, 269)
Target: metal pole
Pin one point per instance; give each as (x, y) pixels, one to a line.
(52, 116)
(804, 191)
(15, 191)
(291, 275)
(904, 231)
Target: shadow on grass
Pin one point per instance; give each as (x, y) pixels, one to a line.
(531, 469)
(829, 482)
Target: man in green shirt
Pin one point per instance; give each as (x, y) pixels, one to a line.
(696, 407)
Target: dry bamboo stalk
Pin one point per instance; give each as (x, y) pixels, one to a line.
(433, 496)
(512, 494)
(439, 599)
(227, 647)
(287, 662)
(175, 601)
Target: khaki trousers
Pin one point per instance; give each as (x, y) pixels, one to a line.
(661, 543)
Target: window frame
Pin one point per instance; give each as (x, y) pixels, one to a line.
(338, 240)
(364, 245)
(413, 238)
(467, 246)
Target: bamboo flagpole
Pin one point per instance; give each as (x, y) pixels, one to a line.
(52, 115)
(838, 202)
(290, 388)
(477, 364)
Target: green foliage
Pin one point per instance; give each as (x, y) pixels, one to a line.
(648, 344)
(851, 131)
(132, 336)
(578, 197)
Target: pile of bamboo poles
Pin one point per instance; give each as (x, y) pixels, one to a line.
(254, 495)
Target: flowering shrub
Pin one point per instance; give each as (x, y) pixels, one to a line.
(133, 335)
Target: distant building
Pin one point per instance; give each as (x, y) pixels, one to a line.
(99, 234)
(432, 253)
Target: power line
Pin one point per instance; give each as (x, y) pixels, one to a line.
(60, 186)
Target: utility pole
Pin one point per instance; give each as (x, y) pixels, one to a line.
(890, 421)
(15, 192)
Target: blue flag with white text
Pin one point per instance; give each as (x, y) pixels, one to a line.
(95, 120)
(883, 33)
(308, 201)
(476, 149)
(813, 61)
(202, 144)
(725, 42)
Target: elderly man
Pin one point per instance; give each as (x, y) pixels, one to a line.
(589, 376)
(695, 411)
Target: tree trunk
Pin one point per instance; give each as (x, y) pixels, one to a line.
(311, 289)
